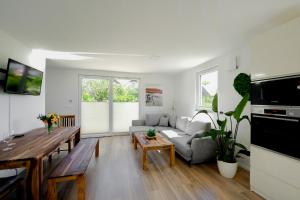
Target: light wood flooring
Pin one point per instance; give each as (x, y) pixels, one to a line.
(117, 175)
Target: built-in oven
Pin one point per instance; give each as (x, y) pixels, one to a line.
(283, 91)
(276, 128)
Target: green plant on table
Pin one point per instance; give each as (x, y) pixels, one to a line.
(151, 133)
(225, 134)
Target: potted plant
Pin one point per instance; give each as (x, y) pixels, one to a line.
(151, 134)
(226, 127)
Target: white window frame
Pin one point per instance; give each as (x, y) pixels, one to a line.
(198, 87)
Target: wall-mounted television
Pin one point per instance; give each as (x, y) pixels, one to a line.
(22, 79)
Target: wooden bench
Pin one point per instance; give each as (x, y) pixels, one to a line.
(73, 167)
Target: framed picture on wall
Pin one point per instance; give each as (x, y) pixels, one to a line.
(154, 96)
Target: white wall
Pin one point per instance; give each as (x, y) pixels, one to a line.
(24, 109)
(62, 86)
(275, 52)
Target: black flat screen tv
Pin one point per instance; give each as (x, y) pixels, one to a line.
(22, 79)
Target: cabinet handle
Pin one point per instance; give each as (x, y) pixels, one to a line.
(276, 118)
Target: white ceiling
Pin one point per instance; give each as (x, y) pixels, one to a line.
(141, 35)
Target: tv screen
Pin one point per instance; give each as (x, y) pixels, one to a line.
(22, 79)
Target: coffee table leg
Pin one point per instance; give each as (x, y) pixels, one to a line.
(172, 155)
(134, 142)
(144, 159)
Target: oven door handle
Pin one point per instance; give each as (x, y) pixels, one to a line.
(276, 118)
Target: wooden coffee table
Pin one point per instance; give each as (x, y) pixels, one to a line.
(160, 143)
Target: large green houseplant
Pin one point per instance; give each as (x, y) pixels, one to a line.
(226, 127)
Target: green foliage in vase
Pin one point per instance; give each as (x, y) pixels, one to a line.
(226, 124)
(151, 133)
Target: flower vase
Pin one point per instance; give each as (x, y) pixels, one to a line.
(49, 128)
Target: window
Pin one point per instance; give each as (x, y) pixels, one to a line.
(207, 88)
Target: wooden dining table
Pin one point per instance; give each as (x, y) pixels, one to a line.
(30, 150)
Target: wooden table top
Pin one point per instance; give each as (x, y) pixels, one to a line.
(160, 141)
(36, 143)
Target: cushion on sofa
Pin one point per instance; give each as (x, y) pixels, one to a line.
(171, 133)
(164, 121)
(163, 128)
(153, 119)
(172, 121)
(138, 122)
(196, 126)
(181, 123)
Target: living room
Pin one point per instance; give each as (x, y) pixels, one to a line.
(141, 96)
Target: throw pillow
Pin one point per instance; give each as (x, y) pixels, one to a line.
(152, 119)
(164, 121)
(172, 121)
(196, 126)
(181, 123)
(195, 135)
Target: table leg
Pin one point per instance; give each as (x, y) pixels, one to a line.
(70, 145)
(41, 176)
(144, 159)
(34, 180)
(172, 155)
(134, 142)
(97, 149)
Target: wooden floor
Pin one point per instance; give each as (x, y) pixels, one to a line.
(117, 175)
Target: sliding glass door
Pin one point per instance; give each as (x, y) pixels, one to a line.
(125, 103)
(95, 105)
(108, 105)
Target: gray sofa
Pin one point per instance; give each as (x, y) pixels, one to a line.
(187, 136)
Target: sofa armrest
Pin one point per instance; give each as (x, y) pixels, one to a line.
(138, 122)
(204, 149)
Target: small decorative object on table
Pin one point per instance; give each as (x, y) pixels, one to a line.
(151, 134)
(49, 120)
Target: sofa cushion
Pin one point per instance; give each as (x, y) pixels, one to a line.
(171, 133)
(153, 119)
(197, 126)
(181, 123)
(172, 121)
(164, 121)
(138, 122)
(162, 128)
(134, 129)
(181, 146)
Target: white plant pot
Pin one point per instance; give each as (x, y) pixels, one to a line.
(227, 170)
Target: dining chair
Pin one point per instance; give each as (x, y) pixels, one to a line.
(65, 121)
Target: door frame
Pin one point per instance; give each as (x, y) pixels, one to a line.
(110, 99)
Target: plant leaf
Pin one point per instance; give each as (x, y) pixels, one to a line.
(213, 133)
(240, 145)
(245, 152)
(240, 107)
(215, 103)
(242, 84)
(245, 117)
(229, 113)
(223, 125)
